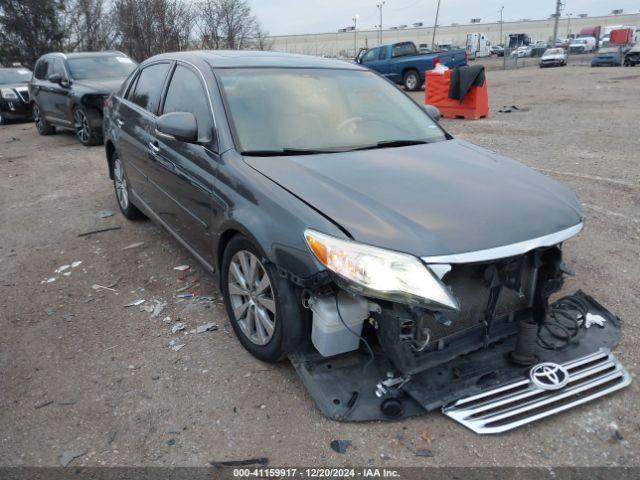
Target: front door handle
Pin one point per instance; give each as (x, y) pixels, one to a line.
(154, 147)
(119, 122)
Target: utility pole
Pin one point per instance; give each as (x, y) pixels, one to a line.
(501, 9)
(555, 23)
(435, 25)
(380, 5)
(355, 35)
(568, 24)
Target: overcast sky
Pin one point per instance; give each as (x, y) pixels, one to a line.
(281, 17)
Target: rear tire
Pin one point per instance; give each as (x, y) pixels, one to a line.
(265, 313)
(43, 127)
(411, 81)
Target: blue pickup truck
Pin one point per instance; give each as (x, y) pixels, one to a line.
(403, 64)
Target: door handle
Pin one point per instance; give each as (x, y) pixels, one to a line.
(119, 122)
(154, 147)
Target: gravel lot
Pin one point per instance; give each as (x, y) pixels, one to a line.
(81, 372)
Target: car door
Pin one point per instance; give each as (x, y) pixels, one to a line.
(56, 95)
(135, 118)
(183, 173)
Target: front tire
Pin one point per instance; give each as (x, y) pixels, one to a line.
(87, 134)
(411, 81)
(43, 127)
(264, 309)
(121, 187)
(3, 119)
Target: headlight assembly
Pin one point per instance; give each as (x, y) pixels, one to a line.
(8, 94)
(380, 273)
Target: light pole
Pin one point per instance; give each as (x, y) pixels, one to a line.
(380, 5)
(355, 35)
(435, 25)
(501, 9)
(568, 24)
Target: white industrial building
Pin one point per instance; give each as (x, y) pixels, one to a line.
(342, 43)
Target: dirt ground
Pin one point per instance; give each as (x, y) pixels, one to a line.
(81, 372)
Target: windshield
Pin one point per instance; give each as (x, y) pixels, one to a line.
(18, 75)
(553, 51)
(320, 109)
(100, 67)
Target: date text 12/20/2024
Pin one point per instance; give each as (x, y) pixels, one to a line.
(315, 473)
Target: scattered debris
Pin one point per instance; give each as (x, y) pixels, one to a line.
(67, 457)
(50, 311)
(61, 268)
(111, 436)
(186, 295)
(44, 404)
(49, 280)
(616, 436)
(175, 348)
(104, 214)
(187, 286)
(155, 377)
(509, 109)
(340, 446)
(182, 268)
(421, 452)
(135, 303)
(75, 264)
(426, 436)
(133, 245)
(240, 463)
(178, 327)
(96, 287)
(206, 328)
(157, 310)
(68, 316)
(171, 441)
(146, 308)
(67, 402)
(166, 319)
(102, 230)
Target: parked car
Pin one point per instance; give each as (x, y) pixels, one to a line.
(67, 91)
(553, 57)
(14, 94)
(497, 50)
(400, 269)
(607, 57)
(521, 52)
(403, 64)
(632, 56)
(582, 45)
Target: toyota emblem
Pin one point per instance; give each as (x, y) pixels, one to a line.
(549, 376)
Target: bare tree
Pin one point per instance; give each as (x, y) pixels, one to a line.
(230, 24)
(149, 27)
(89, 26)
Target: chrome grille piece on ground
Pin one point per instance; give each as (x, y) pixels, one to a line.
(521, 402)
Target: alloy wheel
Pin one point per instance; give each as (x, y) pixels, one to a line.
(412, 82)
(252, 297)
(81, 124)
(120, 182)
(37, 118)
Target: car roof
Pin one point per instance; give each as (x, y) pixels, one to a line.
(252, 58)
(86, 54)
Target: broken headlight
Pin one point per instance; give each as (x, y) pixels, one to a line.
(380, 273)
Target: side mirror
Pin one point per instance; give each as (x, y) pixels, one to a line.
(55, 78)
(433, 112)
(182, 126)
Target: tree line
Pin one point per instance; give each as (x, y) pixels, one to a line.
(140, 28)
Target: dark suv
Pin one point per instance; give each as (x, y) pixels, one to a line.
(14, 95)
(68, 90)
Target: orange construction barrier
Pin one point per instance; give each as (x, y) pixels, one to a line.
(475, 104)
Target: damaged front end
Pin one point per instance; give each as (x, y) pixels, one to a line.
(482, 341)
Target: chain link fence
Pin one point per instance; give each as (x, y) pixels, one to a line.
(522, 57)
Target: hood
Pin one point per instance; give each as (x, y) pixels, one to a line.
(107, 86)
(436, 199)
(14, 86)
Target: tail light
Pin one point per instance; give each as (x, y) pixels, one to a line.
(436, 61)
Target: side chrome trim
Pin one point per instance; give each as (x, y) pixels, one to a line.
(506, 250)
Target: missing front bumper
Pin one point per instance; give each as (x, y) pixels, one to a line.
(344, 387)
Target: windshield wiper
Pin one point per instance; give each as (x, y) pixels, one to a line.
(393, 143)
(286, 151)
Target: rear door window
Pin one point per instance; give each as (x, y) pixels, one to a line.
(187, 94)
(148, 89)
